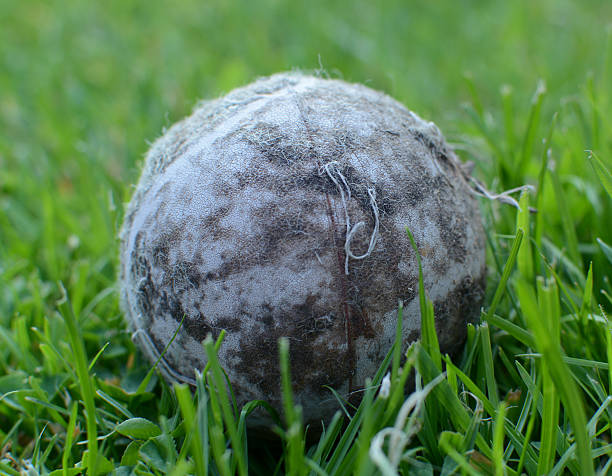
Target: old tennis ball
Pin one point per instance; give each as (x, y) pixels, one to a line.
(280, 209)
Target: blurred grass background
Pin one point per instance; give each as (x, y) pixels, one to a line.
(86, 86)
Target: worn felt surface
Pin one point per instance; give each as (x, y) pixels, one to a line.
(280, 210)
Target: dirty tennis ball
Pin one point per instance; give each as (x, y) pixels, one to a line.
(281, 209)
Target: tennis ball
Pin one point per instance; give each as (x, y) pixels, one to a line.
(281, 209)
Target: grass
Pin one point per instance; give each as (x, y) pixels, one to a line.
(522, 89)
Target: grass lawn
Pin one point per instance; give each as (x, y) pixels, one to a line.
(523, 89)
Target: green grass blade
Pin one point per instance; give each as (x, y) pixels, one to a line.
(398, 388)
(8, 470)
(501, 286)
(363, 464)
(461, 460)
(498, 439)
(490, 138)
(226, 407)
(587, 297)
(183, 395)
(603, 173)
(85, 380)
(550, 416)
(115, 404)
(348, 437)
(487, 362)
(97, 356)
(606, 249)
(527, 440)
(429, 336)
(69, 437)
(507, 96)
(218, 441)
(531, 129)
(565, 215)
(293, 416)
(145, 382)
(472, 387)
(445, 397)
(513, 434)
(329, 436)
(515, 331)
(609, 352)
(525, 253)
(570, 395)
(544, 161)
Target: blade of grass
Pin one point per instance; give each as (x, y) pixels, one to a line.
(293, 415)
(215, 429)
(487, 362)
(550, 416)
(329, 436)
(183, 396)
(531, 129)
(348, 437)
(508, 110)
(563, 288)
(115, 404)
(544, 158)
(469, 437)
(548, 301)
(463, 463)
(513, 434)
(429, 338)
(515, 331)
(604, 175)
(97, 356)
(397, 389)
(571, 240)
(36, 451)
(143, 385)
(609, 351)
(571, 451)
(70, 434)
(570, 395)
(490, 138)
(428, 327)
(525, 252)
(443, 394)
(363, 464)
(8, 470)
(606, 249)
(226, 407)
(573, 361)
(472, 387)
(508, 365)
(527, 439)
(498, 439)
(85, 380)
(501, 286)
(587, 297)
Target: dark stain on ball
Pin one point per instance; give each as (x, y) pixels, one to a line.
(272, 143)
(157, 303)
(211, 224)
(458, 307)
(319, 355)
(452, 227)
